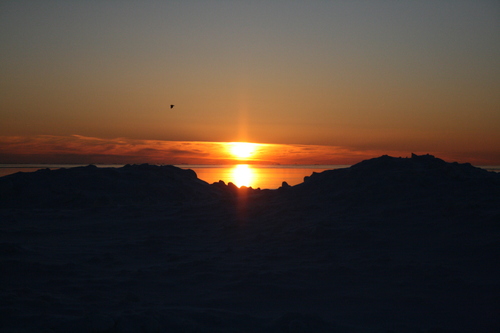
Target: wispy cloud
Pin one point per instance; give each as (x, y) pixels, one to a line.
(82, 149)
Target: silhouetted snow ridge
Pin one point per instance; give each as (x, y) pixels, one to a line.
(382, 178)
(387, 245)
(393, 178)
(131, 184)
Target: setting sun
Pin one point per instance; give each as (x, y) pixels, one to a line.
(242, 150)
(242, 175)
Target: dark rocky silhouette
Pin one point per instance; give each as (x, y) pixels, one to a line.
(387, 245)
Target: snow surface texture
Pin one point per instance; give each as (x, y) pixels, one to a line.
(387, 245)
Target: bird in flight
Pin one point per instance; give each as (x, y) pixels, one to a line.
(171, 106)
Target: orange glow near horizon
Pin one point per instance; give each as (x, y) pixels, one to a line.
(77, 149)
(242, 150)
(189, 82)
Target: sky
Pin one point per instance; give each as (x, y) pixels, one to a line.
(313, 82)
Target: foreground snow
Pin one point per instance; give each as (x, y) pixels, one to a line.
(390, 244)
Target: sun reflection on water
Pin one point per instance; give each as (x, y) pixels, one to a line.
(242, 175)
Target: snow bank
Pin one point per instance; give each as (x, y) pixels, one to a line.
(84, 186)
(388, 245)
(401, 178)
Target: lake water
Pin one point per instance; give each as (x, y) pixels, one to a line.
(263, 176)
(256, 176)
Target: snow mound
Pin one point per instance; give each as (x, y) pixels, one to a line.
(92, 186)
(387, 245)
(389, 178)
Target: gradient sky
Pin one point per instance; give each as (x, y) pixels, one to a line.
(359, 77)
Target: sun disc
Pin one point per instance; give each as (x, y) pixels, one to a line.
(242, 150)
